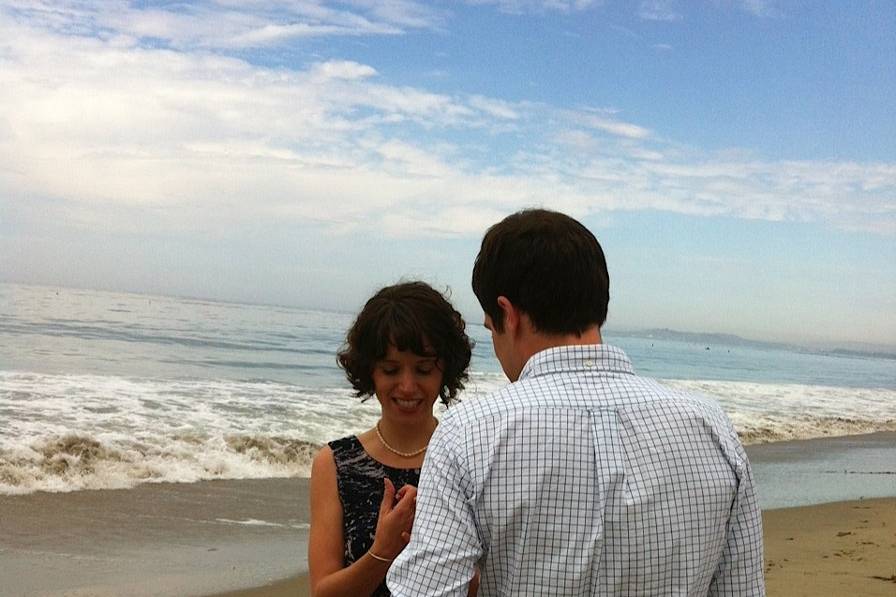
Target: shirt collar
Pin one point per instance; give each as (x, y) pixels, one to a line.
(601, 358)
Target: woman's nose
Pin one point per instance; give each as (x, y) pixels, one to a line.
(406, 382)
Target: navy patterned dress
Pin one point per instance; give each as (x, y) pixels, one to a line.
(360, 481)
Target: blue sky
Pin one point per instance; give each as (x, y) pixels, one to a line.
(736, 158)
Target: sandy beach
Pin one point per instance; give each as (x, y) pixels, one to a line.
(840, 549)
(249, 537)
(844, 549)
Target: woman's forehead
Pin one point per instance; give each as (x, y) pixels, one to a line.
(394, 353)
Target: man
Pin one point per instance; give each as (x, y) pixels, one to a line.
(579, 478)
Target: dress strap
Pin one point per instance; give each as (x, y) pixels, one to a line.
(346, 449)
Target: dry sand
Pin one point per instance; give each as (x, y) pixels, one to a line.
(843, 549)
(296, 586)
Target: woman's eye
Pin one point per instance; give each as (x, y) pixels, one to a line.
(389, 371)
(425, 370)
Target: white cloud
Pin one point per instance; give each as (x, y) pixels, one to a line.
(102, 134)
(343, 69)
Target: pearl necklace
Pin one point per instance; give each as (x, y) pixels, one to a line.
(398, 452)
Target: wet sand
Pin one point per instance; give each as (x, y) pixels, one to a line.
(171, 539)
(824, 470)
(219, 537)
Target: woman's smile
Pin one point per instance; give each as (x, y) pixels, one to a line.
(408, 405)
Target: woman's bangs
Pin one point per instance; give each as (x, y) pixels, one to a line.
(406, 333)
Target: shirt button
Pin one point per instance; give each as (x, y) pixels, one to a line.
(589, 363)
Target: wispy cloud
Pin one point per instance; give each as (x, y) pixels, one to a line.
(760, 8)
(536, 6)
(671, 10)
(659, 10)
(98, 132)
(603, 120)
(223, 23)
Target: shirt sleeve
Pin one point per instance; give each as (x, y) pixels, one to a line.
(740, 571)
(445, 546)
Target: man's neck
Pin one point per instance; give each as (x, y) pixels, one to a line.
(537, 342)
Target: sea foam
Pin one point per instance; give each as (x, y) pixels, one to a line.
(73, 432)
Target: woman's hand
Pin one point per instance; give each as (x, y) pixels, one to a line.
(473, 589)
(326, 544)
(393, 528)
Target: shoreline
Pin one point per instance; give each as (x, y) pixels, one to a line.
(213, 538)
(824, 470)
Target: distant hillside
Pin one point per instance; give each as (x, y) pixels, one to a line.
(875, 354)
(708, 339)
(699, 338)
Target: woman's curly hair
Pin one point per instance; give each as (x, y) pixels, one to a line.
(413, 317)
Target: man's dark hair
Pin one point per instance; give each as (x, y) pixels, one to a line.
(413, 317)
(548, 265)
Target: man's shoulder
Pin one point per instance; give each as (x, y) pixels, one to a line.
(475, 408)
(583, 390)
(661, 394)
(688, 404)
(695, 400)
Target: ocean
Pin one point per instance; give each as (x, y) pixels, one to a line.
(106, 390)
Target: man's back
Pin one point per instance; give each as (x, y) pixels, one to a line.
(584, 479)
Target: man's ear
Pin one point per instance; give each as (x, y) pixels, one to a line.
(511, 314)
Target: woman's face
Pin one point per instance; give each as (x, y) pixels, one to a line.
(407, 385)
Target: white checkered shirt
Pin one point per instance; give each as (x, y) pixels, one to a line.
(584, 479)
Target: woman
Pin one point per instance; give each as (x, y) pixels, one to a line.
(407, 347)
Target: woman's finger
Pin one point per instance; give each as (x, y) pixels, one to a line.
(388, 496)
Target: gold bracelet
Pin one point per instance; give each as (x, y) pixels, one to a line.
(380, 558)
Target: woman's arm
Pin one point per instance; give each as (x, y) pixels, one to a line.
(326, 543)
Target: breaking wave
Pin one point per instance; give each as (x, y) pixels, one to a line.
(74, 462)
(74, 432)
(764, 413)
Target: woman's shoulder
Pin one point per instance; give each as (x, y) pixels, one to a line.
(333, 452)
(338, 456)
(348, 453)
